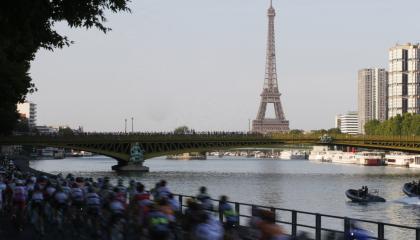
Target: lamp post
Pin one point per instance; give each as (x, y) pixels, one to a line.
(132, 125)
(125, 126)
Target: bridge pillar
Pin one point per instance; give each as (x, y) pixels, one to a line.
(130, 167)
(134, 163)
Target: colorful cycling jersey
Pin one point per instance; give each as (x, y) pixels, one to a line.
(121, 188)
(158, 222)
(121, 196)
(117, 207)
(212, 229)
(2, 188)
(66, 190)
(229, 213)
(163, 192)
(50, 191)
(142, 198)
(77, 194)
(61, 197)
(37, 196)
(30, 187)
(93, 200)
(20, 194)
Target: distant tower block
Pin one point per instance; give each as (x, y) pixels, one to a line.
(270, 93)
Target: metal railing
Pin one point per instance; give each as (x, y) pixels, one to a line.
(337, 224)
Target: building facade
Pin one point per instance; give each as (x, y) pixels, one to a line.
(348, 123)
(372, 96)
(28, 110)
(46, 130)
(404, 80)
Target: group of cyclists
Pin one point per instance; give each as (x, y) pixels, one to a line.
(84, 208)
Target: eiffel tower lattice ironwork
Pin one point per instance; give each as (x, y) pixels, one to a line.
(270, 94)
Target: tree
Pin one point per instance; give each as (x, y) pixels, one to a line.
(182, 130)
(334, 131)
(296, 132)
(22, 125)
(406, 124)
(371, 127)
(28, 25)
(65, 131)
(320, 131)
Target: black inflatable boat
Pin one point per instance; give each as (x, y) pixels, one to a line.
(356, 196)
(409, 190)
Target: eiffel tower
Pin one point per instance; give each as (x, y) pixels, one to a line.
(270, 93)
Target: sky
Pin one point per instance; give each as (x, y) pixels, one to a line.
(201, 63)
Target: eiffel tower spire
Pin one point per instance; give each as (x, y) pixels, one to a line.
(270, 93)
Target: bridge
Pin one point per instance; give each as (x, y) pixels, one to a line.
(154, 145)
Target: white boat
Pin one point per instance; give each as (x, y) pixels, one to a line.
(415, 163)
(292, 155)
(399, 159)
(344, 157)
(318, 154)
(370, 158)
(52, 152)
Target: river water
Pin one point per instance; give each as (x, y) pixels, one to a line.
(292, 184)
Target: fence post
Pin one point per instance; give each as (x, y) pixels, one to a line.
(273, 210)
(346, 228)
(418, 234)
(294, 223)
(238, 211)
(220, 212)
(180, 202)
(318, 227)
(381, 231)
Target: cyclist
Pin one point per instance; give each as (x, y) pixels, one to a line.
(158, 224)
(204, 198)
(37, 204)
(19, 197)
(228, 212)
(93, 208)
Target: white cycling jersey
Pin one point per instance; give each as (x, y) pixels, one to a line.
(37, 196)
(93, 200)
(77, 194)
(117, 207)
(61, 197)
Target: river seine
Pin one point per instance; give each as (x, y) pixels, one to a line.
(293, 184)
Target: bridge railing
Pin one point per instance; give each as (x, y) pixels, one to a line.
(320, 225)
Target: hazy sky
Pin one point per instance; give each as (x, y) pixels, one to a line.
(201, 63)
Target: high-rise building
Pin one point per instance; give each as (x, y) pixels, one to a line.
(270, 94)
(348, 123)
(404, 80)
(28, 110)
(372, 95)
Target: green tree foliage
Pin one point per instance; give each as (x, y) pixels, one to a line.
(334, 131)
(320, 131)
(182, 130)
(296, 132)
(28, 25)
(65, 131)
(22, 125)
(405, 125)
(371, 127)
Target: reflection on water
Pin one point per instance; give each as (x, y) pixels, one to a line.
(303, 185)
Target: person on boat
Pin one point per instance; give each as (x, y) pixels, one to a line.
(360, 192)
(366, 191)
